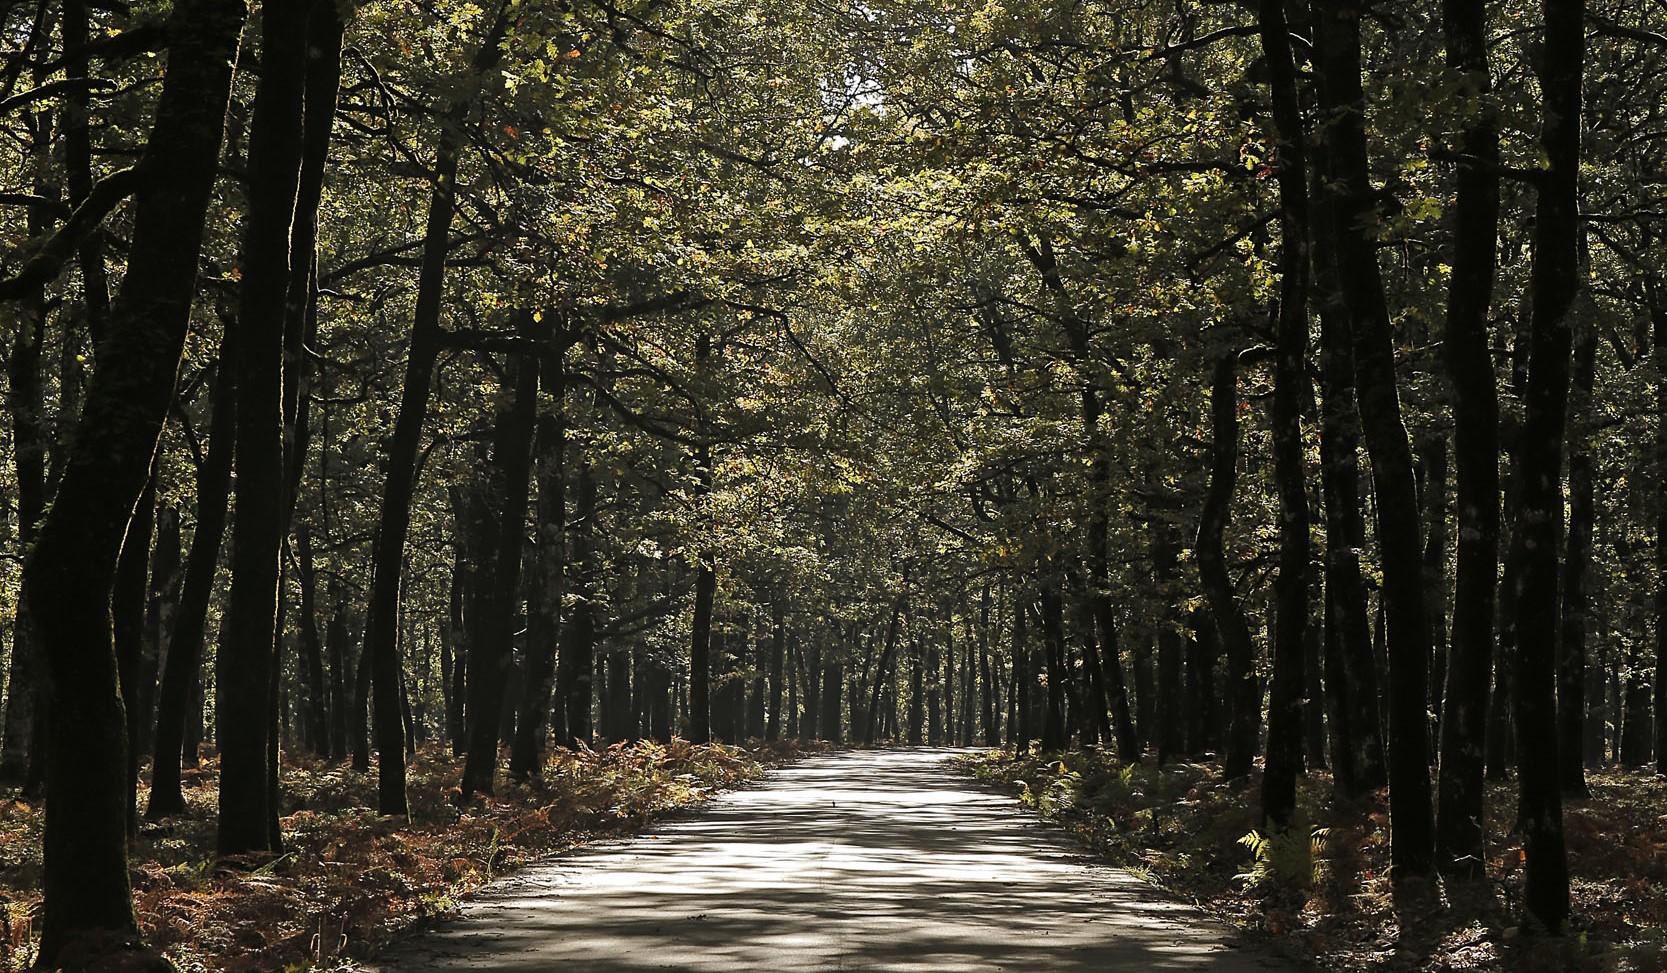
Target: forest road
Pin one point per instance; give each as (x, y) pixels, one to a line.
(867, 860)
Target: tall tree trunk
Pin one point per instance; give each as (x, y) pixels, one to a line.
(777, 662)
(381, 636)
(544, 582)
(245, 665)
(1469, 359)
(578, 637)
(161, 603)
(1432, 462)
(71, 570)
(491, 655)
(1244, 698)
(1394, 487)
(24, 402)
(1636, 741)
(127, 612)
(1291, 398)
(1577, 559)
(833, 681)
(183, 671)
(1553, 286)
(1351, 674)
(317, 708)
(1171, 724)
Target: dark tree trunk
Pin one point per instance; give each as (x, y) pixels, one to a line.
(245, 665)
(1056, 735)
(1203, 649)
(871, 718)
(578, 637)
(127, 611)
(987, 696)
(1577, 559)
(24, 401)
(1553, 285)
(778, 660)
(833, 682)
(159, 615)
(1394, 485)
(1432, 464)
(1291, 398)
(381, 637)
(544, 582)
(181, 676)
(361, 713)
(317, 708)
(1171, 724)
(491, 654)
(1351, 674)
(917, 690)
(1244, 698)
(1467, 347)
(1638, 691)
(71, 570)
(335, 640)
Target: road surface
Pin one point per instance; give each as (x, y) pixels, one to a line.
(868, 860)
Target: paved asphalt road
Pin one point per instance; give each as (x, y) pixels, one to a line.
(868, 860)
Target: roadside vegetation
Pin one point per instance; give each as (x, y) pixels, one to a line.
(348, 879)
(1324, 890)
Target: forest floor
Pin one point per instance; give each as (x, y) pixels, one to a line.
(1327, 897)
(350, 879)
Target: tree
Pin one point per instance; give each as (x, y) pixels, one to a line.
(71, 570)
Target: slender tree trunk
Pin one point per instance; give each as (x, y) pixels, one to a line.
(244, 667)
(381, 637)
(833, 682)
(1576, 568)
(778, 659)
(1291, 398)
(127, 610)
(1351, 674)
(24, 401)
(1466, 344)
(544, 584)
(318, 706)
(491, 655)
(1553, 286)
(1171, 725)
(1636, 741)
(1244, 698)
(1394, 486)
(183, 670)
(578, 637)
(1432, 462)
(71, 569)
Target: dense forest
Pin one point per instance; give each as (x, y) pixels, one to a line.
(1269, 380)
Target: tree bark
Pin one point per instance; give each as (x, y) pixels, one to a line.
(1291, 398)
(71, 570)
(1244, 698)
(1469, 360)
(490, 655)
(381, 636)
(1576, 569)
(1399, 527)
(544, 584)
(1553, 286)
(245, 666)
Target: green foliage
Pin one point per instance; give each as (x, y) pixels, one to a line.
(1291, 859)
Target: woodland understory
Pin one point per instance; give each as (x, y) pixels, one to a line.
(1277, 383)
(1329, 899)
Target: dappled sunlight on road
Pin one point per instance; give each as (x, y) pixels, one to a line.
(859, 861)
